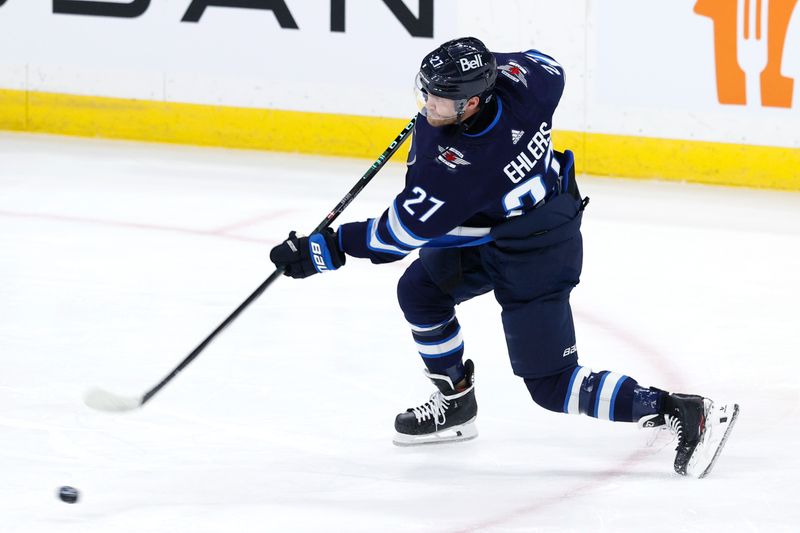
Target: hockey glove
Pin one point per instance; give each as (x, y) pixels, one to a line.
(304, 256)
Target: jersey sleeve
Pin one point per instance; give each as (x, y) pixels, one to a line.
(547, 77)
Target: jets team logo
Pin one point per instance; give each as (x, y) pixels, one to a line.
(451, 157)
(515, 72)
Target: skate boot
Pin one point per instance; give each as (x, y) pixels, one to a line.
(701, 426)
(449, 414)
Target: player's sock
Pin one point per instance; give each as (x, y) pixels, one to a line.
(605, 395)
(441, 347)
(449, 414)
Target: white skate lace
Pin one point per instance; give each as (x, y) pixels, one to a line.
(674, 425)
(433, 408)
(667, 433)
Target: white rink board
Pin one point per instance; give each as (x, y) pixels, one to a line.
(633, 68)
(651, 73)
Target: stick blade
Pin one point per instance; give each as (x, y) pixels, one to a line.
(103, 400)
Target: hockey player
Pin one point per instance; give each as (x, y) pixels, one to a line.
(493, 207)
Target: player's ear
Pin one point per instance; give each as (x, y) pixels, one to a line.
(473, 103)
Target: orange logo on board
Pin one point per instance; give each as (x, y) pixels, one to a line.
(749, 41)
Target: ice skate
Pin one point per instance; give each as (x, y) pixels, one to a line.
(448, 416)
(702, 428)
(720, 418)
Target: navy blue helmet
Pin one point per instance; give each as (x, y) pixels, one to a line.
(458, 70)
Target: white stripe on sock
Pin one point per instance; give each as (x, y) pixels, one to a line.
(575, 391)
(609, 384)
(444, 347)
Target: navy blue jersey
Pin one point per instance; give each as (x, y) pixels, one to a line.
(458, 184)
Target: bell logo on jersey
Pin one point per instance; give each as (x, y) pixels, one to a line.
(451, 157)
(469, 64)
(524, 163)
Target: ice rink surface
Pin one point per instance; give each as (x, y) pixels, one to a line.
(119, 258)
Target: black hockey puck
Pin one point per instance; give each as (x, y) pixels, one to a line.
(68, 494)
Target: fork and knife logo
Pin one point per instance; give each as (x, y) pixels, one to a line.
(754, 59)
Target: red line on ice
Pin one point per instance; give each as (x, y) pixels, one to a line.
(221, 233)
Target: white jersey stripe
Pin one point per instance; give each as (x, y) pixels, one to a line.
(400, 233)
(464, 231)
(538, 56)
(556, 166)
(377, 245)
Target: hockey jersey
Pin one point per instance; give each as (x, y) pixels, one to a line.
(459, 185)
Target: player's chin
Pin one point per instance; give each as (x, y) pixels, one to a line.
(439, 122)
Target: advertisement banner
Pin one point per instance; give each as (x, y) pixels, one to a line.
(688, 89)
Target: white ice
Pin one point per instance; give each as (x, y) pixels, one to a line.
(119, 258)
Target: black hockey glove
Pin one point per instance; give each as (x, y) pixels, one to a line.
(304, 256)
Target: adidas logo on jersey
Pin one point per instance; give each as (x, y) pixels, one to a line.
(516, 135)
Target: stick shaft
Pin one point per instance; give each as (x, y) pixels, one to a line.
(327, 221)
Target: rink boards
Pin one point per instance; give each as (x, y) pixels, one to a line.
(335, 79)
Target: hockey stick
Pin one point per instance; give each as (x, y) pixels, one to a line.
(107, 401)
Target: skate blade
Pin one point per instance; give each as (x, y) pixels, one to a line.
(466, 431)
(720, 422)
